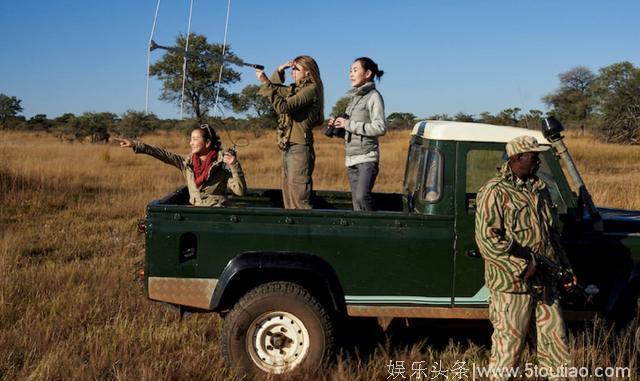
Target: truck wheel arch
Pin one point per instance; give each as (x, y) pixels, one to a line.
(253, 268)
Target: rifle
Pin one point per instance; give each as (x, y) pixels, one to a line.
(554, 270)
(205, 56)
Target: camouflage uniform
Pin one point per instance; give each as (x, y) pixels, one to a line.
(298, 110)
(511, 211)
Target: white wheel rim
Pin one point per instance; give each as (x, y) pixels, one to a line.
(277, 341)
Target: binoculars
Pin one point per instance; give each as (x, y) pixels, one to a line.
(332, 131)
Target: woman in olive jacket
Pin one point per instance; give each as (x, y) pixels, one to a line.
(208, 172)
(299, 107)
(362, 125)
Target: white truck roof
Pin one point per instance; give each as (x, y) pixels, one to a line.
(472, 132)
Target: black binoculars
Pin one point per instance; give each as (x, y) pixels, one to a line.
(332, 131)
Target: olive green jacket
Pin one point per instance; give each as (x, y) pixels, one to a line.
(297, 107)
(213, 191)
(510, 210)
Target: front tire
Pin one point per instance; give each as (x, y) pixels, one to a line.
(277, 328)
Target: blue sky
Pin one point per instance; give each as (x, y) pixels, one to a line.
(438, 56)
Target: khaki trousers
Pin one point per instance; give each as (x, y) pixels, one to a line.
(511, 316)
(297, 170)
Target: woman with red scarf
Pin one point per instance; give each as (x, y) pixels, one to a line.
(208, 172)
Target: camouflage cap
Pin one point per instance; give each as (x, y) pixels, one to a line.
(523, 144)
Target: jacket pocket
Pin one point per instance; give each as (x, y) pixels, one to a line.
(518, 218)
(519, 224)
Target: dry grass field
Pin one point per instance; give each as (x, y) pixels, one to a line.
(71, 306)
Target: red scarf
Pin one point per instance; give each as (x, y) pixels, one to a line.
(200, 168)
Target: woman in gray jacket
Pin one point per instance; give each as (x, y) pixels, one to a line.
(363, 123)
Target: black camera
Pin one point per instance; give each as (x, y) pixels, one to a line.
(332, 131)
(232, 151)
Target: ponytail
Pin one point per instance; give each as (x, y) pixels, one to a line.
(368, 64)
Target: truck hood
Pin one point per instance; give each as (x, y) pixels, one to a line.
(620, 220)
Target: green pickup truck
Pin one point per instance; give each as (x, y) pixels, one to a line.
(283, 279)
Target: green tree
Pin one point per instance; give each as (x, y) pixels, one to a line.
(573, 101)
(9, 108)
(532, 119)
(64, 118)
(340, 107)
(250, 100)
(70, 129)
(39, 122)
(91, 124)
(264, 117)
(535, 114)
(64, 125)
(136, 123)
(464, 117)
(101, 124)
(401, 120)
(487, 117)
(508, 117)
(201, 79)
(617, 99)
(439, 117)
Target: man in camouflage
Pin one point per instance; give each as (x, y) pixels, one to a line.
(515, 217)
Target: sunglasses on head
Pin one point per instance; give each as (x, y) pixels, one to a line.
(208, 130)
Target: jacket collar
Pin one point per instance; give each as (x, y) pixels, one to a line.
(362, 90)
(507, 175)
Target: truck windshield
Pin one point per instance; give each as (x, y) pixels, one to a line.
(423, 175)
(482, 166)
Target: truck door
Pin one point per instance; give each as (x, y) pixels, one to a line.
(401, 258)
(476, 163)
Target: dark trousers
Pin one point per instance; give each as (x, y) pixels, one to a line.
(362, 177)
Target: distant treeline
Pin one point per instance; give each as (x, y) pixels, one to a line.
(100, 126)
(606, 102)
(96, 125)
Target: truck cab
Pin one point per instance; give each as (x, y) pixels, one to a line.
(449, 161)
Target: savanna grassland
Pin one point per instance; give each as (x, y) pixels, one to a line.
(71, 306)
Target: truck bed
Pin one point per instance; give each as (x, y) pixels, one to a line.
(272, 198)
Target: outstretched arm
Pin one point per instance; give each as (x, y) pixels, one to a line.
(159, 153)
(124, 142)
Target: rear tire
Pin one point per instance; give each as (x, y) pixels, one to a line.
(277, 328)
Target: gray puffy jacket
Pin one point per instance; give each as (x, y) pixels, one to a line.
(366, 120)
